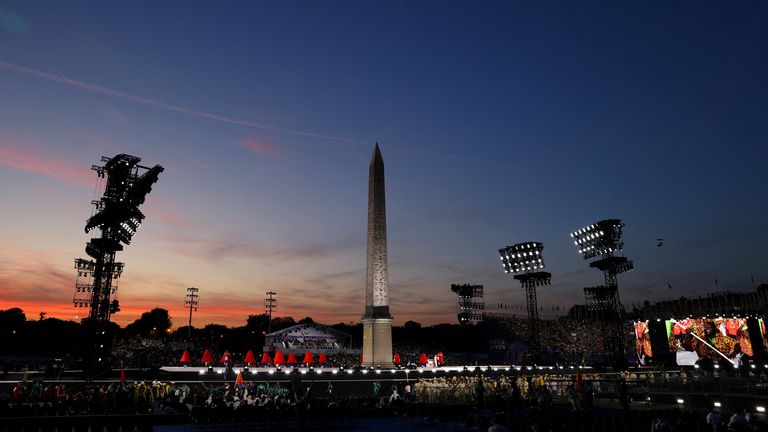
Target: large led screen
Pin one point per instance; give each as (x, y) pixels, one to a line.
(711, 338)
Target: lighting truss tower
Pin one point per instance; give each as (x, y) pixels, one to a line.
(602, 240)
(471, 304)
(117, 217)
(270, 304)
(191, 301)
(525, 260)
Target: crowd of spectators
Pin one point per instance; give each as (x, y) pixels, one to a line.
(564, 340)
(147, 352)
(202, 402)
(544, 402)
(503, 390)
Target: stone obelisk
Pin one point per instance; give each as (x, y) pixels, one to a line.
(377, 322)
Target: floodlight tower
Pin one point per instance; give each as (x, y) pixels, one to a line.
(471, 305)
(117, 217)
(602, 239)
(270, 304)
(191, 301)
(525, 260)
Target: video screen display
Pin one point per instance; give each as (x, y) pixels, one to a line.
(763, 333)
(642, 341)
(711, 338)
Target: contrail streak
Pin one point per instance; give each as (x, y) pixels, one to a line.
(166, 106)
(61, 79)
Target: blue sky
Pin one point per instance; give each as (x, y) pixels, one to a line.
(499, 122)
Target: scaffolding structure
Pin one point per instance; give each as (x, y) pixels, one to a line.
(116, 217)
(471, 303)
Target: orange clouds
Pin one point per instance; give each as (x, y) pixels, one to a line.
(260, 147)
(46, 164)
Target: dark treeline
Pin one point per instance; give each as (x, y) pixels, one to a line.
(52, 337)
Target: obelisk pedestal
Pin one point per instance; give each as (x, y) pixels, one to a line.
(377, 322)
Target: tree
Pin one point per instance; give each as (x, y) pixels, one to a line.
(12, 317)
(257, 323)
(215, 332)
(306, 320)
(279, 323)
(155, 322)
(412, 325)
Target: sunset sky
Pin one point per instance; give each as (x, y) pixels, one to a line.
(499, 122)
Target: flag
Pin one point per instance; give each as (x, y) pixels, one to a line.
(122, 375)
(751, 276)
(669, 285)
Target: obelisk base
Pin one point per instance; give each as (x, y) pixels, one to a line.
(377, 343)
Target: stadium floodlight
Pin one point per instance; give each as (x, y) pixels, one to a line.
(525, 261)
(600, 238)
(522, 257)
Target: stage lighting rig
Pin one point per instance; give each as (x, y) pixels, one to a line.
(603, 239)
(471, 305)
(117, 217)
(525, 260)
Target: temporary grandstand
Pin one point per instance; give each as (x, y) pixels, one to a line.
(301, 338)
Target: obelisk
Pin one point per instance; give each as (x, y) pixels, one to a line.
(377, 322)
